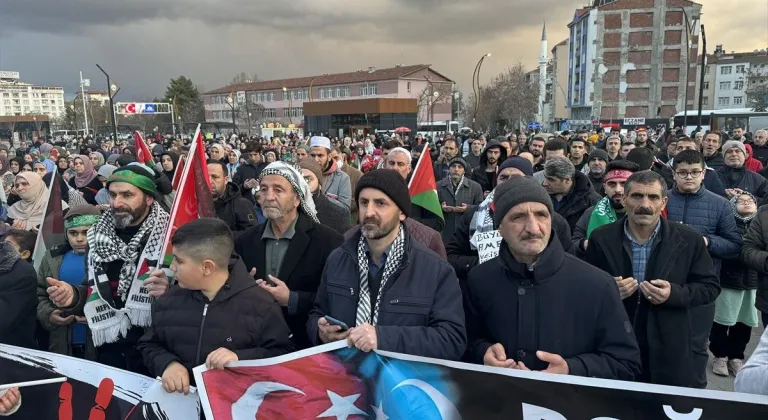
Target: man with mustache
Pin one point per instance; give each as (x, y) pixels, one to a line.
(609, 209)
(390, 292)
(509, 299)
(127, 236)
(662, 270)
(287, 253)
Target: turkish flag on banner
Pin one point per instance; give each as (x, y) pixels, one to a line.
(318, 386)
(143, 155)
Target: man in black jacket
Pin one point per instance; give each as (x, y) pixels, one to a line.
(710, 148)
(571, 191)
(392, 293)
(247, 176)
(486, 173)
(662, 270)
(287, 253)
(508, 298)
(236, 211)
(234, 317)
(736, 177)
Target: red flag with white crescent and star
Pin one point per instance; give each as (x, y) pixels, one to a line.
(143, 155)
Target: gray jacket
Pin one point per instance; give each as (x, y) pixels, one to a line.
(469, 193)
(753, 378)
(338, 187)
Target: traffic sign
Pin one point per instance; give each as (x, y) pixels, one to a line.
(149, 108)
(534, 125)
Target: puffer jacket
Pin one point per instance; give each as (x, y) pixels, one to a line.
(237, 212)
(242, 318)
(734, 274)
(754, 253)
(744, 179)
(710, 215)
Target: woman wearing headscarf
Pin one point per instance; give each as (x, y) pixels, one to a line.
(97, 159)
(6, 176)
(169, 162)
(112, 159)
(219, 154)
(270, 156)
(85, 180)
(102, 197)
(16, 165)
(62, 164)
(27, 213)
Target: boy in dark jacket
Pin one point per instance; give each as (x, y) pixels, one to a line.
(217, 314)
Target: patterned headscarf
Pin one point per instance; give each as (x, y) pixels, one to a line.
(293, 174)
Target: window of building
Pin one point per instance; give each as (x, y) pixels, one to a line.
(738, 85)
(706, 70)
(725, 70)
(738, 100)
(706, 85)
(741, 68)
(723, 101)
(322, 93)
(725, 85)
(338, 92)
(368, 89)
(271, 96)
(259, 97)
(6, 95)
(346, 91)
(705, 100)
(270, 112)
(296, 112)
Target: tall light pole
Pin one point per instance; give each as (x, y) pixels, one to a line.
(231, 102)
(290, 104)
(111, 102)
(701, 76)
(83, 84)
(691, 29)
(476, 87)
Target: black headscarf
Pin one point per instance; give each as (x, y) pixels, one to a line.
(175, 159)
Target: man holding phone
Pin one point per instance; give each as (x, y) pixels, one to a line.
(394, 293)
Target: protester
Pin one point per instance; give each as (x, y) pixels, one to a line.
(595, 169)
(485, 174)
(642, 140)
(85, 180)
(753, 377)
(169, 161)
(710, 148)
(27, 213)
(751, 163)
(456, 193)
(571, 191)
(336, 183)
(735, 176)
(289, 251)
(578, 153)
(233, 161)
(442, 168)
(102, 197)
(247, 176)
(754, 254)
(538, 274)
(399, 159)
(130, 231)
(240, 321)
(626, 147)
(662, 270)
(735, 314)
(66, 262)
(229, 204)
(537, 150)
(17, 298)
(23, 241)
(353, 173)
(330, 212)
(613, 147)
(97, 159)
(759, 147)
(387, 310)
(712, 181)
(475, 153)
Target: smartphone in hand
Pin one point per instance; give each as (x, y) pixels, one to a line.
(333, 321)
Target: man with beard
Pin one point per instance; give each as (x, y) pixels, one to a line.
(287, 253)
(456, 193)
(248, 174)
(626, 148)
(486, 173)
(329, 212)
(595, 169)
(398, 295)
(125, 241)
(709, 214)
(353, 174)
(514, 146)
(710, 148)
(662, 270)
(571, 191)
(642, 140)
(475, 153)
(555, 147)
(302, 152)
(236, 211)
(442, 167)
(578, 154)
(609, 209)
(508, 299)
(760, 149)
(735, 176)
(336, 183)
(399, 159)
(738, 134)
(537, 150)
(613, 147)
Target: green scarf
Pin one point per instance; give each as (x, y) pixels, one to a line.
(602, 214)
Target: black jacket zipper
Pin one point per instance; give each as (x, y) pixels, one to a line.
(200, 337)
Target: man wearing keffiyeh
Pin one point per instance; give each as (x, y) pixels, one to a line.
(391, 292)
(287, 253)
(125, 242)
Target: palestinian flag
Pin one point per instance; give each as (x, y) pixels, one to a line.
(193, 196)
(51, 230)
(423, 188)
(143, 155)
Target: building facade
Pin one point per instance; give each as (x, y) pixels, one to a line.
(559, 82)
(283, 100)
(641, 66)
(18, 98)
(94, 96)
(732, 76)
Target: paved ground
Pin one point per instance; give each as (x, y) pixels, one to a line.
(726, 384)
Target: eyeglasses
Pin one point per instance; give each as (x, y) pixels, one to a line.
(746, 202)
(685, 174)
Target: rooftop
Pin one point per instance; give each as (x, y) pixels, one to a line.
(360, 76)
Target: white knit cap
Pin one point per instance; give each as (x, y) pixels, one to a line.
(320, 141)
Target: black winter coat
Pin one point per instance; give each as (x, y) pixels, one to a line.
(480, 176)
(744, 179)
(331, 213)
(581, 197)
(734, 274)
(715, 161)
(242, 317)
(301, 269)
(421, 311)
(663, 331)
(244, 173)
(509, 304)
(754, 253)
(18, 299)
(236, 211)
(89, 191)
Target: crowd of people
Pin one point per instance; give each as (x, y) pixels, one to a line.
(621, 256)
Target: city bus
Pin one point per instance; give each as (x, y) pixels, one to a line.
(722, 120)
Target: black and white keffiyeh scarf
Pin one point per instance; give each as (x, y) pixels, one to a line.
(394, 260)
(458, 186)
(292, 173)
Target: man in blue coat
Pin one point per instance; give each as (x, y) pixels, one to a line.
(390, 292)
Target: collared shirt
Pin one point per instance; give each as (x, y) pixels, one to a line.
(373, 266)
(276, 248)
(641, 252)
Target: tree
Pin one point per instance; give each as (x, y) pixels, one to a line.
(186, 100)
(427, 99)
(757, 90)
(506, 103)
(244, 78)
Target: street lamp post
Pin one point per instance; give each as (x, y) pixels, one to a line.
(290, 104)
(231, 103)
(701, 76)
(476, 87)
(111, 103)
(690, 29)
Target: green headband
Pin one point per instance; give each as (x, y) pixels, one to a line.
(81, 220)
(141, 182)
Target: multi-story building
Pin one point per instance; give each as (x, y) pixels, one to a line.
(282, 100)
(731, 71)
(630, 61)
(19, 99)
(93, 96)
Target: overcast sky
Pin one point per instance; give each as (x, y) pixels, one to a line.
(144, 43)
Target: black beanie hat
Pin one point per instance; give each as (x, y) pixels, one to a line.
(521, 163)
(391, 183)
(517, 190)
